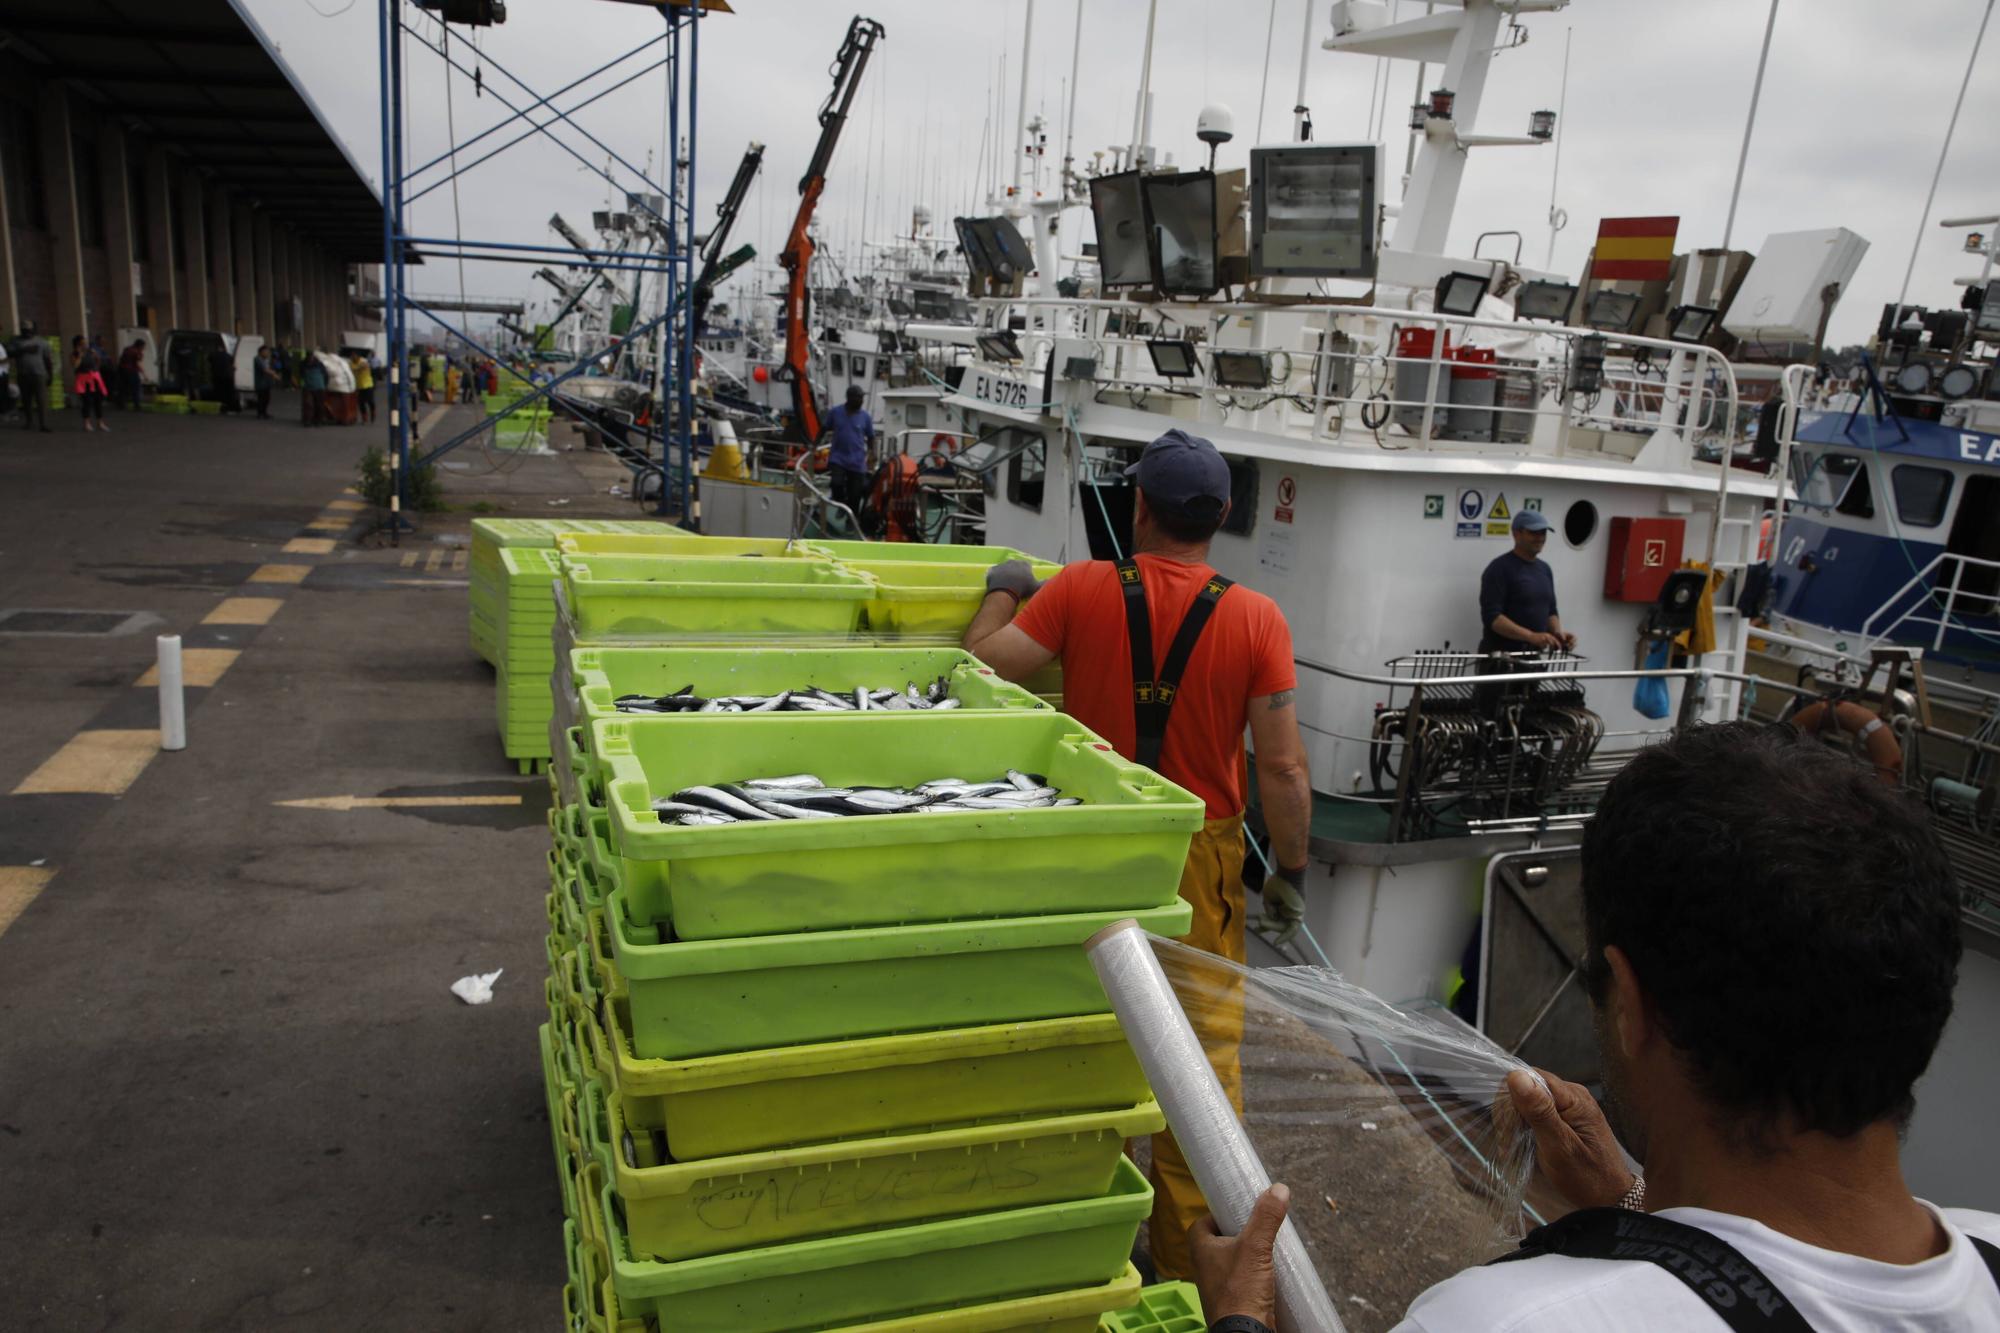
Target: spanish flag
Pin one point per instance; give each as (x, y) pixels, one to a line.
(1635, 249)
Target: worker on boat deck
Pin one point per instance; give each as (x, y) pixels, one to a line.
(1168, 661)
(1771, 949)
(1517, 594)
(847, 460)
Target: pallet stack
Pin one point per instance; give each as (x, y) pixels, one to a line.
(851, 1073)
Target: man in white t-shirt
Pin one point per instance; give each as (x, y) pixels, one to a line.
(1773, 941)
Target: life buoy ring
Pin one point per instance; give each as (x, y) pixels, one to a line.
(1874, 734)
(944, 444)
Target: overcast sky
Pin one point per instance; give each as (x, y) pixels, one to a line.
(1854, 111)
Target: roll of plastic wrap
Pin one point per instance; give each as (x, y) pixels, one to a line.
(1218, 1152)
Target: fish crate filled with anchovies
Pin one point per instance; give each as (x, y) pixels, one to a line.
(824, 1048)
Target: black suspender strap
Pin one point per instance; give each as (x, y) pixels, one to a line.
(1730, 1285)
(1991, 1254)
(1153, 695)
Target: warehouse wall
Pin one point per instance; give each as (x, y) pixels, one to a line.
(102, 228)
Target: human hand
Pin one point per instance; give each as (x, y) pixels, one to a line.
(1574, 1145)
(1235, 1274)
(1013, 576)
(1546, 640)
(1284, 903)
(1568, 642)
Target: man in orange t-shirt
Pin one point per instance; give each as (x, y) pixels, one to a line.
(1218, 658)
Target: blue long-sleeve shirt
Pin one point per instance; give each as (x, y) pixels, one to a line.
(850, 438)
(1524, 591)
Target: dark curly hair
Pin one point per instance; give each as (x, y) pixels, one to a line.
(1793, 919)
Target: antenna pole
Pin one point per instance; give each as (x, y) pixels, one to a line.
(1021, 113)
(1069, 116)
(1950, 130)
(1756, 91)
(1555, 171)
(1145, 79)
(1299, 120)
(1264, 84)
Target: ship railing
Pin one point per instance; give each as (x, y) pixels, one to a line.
(1940, 585)
(1644, 383)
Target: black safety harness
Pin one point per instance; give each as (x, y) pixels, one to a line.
(1735, 1289)
(1153, 696)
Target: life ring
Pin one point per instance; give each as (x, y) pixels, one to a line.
(944, 444)
(1874, 734)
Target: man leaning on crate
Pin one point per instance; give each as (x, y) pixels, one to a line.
(1224, 661)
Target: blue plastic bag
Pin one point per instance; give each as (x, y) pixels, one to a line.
(1649, 694)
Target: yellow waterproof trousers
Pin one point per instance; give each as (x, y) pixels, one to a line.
(1211, 882)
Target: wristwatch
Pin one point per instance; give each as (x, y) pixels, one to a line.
(1633, 1200)
(1237, 1323)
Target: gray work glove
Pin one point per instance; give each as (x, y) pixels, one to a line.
(1013, 576)
(1284, 904)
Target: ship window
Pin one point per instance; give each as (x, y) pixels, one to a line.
(1858, 493)
(839, 363)
(917, 416)
(1027, 472)
(1242, 496)
(1921, 494)
(1580, 523)
(1833, 481)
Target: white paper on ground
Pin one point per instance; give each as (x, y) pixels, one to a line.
(476, 989)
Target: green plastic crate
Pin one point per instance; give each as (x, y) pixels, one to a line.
(680, 542)
(601, 675)
(713, 997)
(922, 553)
(748, 1102)
(614, 596)
(1124, 847)
(1057, 1312)
(927, 600)
(1170, 1307)
(688, 1210)
(843, 1280)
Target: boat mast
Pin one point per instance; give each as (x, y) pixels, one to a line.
(1145, 83)
(1943, 150)
(1743, 155)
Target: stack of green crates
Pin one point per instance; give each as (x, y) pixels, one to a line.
(844, 1074)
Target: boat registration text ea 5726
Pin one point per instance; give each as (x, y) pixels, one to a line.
(1003, 393)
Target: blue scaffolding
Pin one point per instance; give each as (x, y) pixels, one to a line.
(676, 50)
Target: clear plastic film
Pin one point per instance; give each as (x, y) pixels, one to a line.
(1391, 1125)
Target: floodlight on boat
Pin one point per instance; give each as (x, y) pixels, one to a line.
(1420, 115)
(1959, 381)
(999, 346)
(1542, 125)
(1240, 370)
(1459, 293)
(1173, 358)
(1611, 310)
(1690, 323)
(1551, 301)
(1313, 210)
(1442, 101)
(1913, 377)
(1586, 367)
(1120, 214)
(973, 246)
(1180, 232)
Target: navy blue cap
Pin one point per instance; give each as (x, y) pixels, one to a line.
(1532, 520)
(1184, 474)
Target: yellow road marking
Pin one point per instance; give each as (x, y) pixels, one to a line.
(18, 887)
(281, 573)
(410, 559)
(458, 562)
(199, 666)
(344, 803)
(329, 525)
(104, 762)
(435, 559)
(344, 506)
(309, 546)
(244, 611)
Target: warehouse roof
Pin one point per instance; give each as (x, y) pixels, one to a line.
(201, 78)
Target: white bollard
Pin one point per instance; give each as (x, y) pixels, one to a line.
(1218, 1152)
(173, 707)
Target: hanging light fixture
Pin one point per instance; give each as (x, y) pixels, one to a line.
(1441, 102)
(1542, 125)
(1420, 116)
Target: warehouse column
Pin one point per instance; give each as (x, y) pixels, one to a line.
(195, 237)
(244, 248)
(156, 211)
(115, 190)
(215, 214)
(265, 298)
(59, 173)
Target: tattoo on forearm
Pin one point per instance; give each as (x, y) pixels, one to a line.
(1282, 699)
